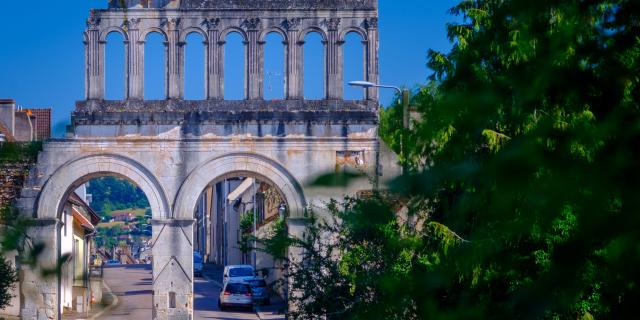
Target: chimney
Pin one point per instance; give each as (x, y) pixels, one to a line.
(8, 114)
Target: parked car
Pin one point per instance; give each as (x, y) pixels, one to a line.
(197, 264)
(260, 291)
(235, 294)
(113, 263)
(238, 273)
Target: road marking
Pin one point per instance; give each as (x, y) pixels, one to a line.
(110, 307)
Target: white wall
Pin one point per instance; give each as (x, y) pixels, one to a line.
(66, 247)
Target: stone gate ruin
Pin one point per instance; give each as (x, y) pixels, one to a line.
(173, 148)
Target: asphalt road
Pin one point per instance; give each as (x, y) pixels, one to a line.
(133, 284)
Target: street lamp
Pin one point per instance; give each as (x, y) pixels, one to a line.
(405, 93)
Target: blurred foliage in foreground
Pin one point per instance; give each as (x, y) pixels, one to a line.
(524, 198)
(19, 151)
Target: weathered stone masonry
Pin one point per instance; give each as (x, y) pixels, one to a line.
(214, 20)
(173, 148)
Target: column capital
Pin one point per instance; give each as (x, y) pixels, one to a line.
(251, 24)
(371, 23)
(211, 24)
(333, 24)
(171, 23)
(131, 24)
(93, 22)
(291, 24)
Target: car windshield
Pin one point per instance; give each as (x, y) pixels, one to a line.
(257, 283)
(237, 288)
(241, 272)
(197, 259)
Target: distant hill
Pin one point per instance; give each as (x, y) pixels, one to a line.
(112, 194)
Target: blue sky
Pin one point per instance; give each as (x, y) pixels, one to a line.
(42, 55)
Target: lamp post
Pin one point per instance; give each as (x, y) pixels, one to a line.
(405, 94)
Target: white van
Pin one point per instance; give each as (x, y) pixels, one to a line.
(238, 273)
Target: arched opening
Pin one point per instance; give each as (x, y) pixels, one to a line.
(105, 237)
(229, 213)
(274, 67)
(354, 57)
(194, 72)
(234, 67)
(115, 66)
(154, 67)
(314, 67)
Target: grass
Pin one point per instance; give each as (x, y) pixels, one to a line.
(111, 224)
(134, 212)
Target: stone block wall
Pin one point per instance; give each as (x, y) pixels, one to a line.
(12, 175)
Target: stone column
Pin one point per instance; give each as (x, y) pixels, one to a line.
(371, 67)
(94, 61)
(214, 60)
(294, 80)
(172, 269)
(40, 294)
(334, 73)
(175, 60)
(254, 78)
(135, 71)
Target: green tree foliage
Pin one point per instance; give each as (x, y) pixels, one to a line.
(246, 232)
(8, 279)
(19, 151)
(110, 193)
(532, 140)
(523, 197)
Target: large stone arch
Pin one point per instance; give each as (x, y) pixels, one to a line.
(77, 172)
(252, 164)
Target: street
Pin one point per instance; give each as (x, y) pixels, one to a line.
(133, 286)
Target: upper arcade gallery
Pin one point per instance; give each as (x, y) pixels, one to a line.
(214, 20)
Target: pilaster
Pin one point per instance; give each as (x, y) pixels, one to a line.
(214, 60)
(40, 294)
(372, 72)
(175, 60)
(135, 71)
(94, 68)
(334, 64)
(293, 80)
(254, 78)
(172, 248)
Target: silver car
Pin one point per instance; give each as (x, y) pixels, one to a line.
(235, 294)
(260, 291)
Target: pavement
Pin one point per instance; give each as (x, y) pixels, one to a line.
(131, 287)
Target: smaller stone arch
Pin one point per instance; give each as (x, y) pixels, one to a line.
(78, 171)
(186, 32)
(222, 166)
(105, 33)
(318, 30)
(227, 31)
(147, 31)
(361, 32)
(278, 30)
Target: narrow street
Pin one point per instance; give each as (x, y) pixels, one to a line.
(133, 286)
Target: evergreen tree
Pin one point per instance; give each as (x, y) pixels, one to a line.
(523, 196)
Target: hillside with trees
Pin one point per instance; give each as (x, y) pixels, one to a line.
(111, 194)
